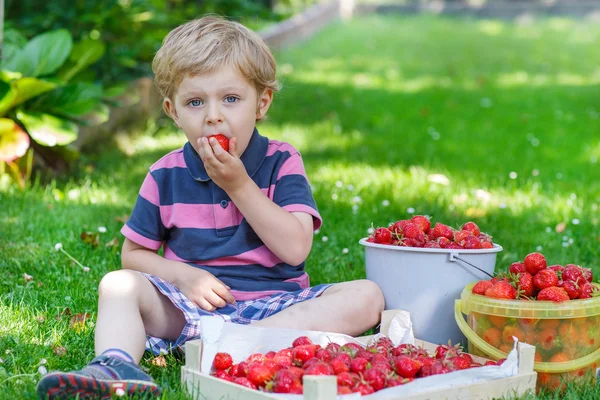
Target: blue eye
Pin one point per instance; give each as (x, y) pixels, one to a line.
(231, 99)
(195, 103)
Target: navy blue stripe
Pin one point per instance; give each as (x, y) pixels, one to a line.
(195, 244)
(254, 278)
(293, 189)
(176, 185)
(145, 220)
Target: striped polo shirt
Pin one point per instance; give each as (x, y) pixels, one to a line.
(180, 208)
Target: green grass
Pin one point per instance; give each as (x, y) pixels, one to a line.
(381, 109)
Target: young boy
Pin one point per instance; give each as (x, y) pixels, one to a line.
(236, 226)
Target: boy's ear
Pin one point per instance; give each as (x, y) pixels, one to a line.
(264, 102)
(169, 108)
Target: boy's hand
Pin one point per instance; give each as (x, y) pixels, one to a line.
(204, 289)
(224, 168)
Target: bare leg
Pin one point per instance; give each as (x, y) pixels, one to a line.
(129, 307)
(349, 307)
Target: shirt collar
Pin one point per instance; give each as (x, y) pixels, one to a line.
(252, 157)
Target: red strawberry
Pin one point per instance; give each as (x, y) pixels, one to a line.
(245, 382)
(471, 243)
(459, 236)
(301, 341)
(553, 293)
(398, 226)
(283, 360)
(397, 381)
(339, 366)
(343, 357)
(255, 357)
(406, 367)
(324, 354)
(362, 353)
(447, 350)
(471, 227)
(302, 353)
(545, 278)
(222, 140)
(376, 378)
(587, 274)
(573, 273)
(431, 244)
(486, 245)
(222, 361)
(285, 381)
(558, 269)
(383, 236)
(310, 362)
(222, 374)
(363, 389)
(572, 289)
(270, 354)
(333, 348)
(441, 230)
(411, 231)
(299, 372)
(422, 221)
(587, 290)
(285, 352)
(259, 374)
(319, 368)
(517, 268)
(526, 286)
(434, 369)
(341, 390)
(534, 262)
(349, 379)
(502, 290)
(358, 365)
(462, 361)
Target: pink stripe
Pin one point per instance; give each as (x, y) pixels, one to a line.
(241, 296)
(303, 280)
(172, 160)
(149, 190)
(261, 256)
(317, 220)
(200, 216)
(275, 146)
(292, 166)
(139, 239)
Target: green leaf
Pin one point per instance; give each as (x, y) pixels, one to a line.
(97, 116)
(14, 142)
(9, 76)
(48, 130)
(84, 53)
(72, 100)
(15, 59)
(14, 37)
(49, 51)
(114, 91)
(28, 88)
(7, 97)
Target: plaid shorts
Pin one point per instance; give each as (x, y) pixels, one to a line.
(243, 312)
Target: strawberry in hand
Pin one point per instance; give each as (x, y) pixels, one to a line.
(222, 139)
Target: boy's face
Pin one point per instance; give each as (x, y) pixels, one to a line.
(219, 102)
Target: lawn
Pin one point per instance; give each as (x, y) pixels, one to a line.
(461, 120)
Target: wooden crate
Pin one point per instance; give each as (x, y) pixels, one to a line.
(206, 387)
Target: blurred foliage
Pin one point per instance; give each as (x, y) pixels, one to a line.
(132, 30)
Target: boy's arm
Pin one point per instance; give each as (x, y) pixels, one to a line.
(198, 285)
(288, 235)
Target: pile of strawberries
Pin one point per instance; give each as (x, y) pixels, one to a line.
(533, 279)
(358, 369)
(417, 232)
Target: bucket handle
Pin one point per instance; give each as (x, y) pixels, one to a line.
(551, 367)
(454, 256)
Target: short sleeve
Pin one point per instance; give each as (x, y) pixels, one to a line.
(145, 226)
(292, 190)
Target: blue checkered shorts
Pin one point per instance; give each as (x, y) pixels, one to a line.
(243, 312)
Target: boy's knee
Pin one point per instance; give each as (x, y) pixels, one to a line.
(120, 282)
(373, 296)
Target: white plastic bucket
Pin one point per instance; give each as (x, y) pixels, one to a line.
(426, 281)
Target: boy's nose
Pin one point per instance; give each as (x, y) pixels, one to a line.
(214, 115)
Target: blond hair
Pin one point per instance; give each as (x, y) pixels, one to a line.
(206, 44)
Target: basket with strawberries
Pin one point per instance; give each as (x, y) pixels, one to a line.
(358, 369)
(554, 307)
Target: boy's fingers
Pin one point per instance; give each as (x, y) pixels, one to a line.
(225, 294)
(233, 147)
(205, 305)
(216, 300)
